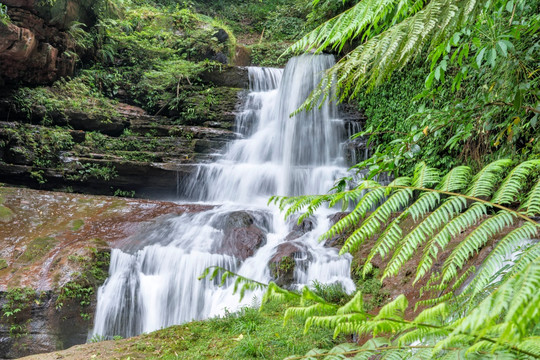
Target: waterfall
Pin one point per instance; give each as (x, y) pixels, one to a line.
(153, 281)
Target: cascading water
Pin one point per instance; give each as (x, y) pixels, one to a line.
(153, 282)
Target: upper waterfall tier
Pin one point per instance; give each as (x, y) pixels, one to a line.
(278, 154)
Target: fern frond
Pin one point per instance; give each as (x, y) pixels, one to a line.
(397, 201)
(505, 247)
(458, 224)
(302, 312)
(442, 215)
(484, 182)
(425, 176)
(349, 25)
(473, 242)
(456, 179)
(355, 305)
(532, 205)
(513, 184)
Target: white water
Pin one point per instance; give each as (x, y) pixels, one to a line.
(153, 282)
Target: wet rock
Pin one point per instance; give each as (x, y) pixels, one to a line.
(79, 120)
(338, 240)
(298, 230)
(221, 35)
(241, 235)
(228, 76)
(41, 327)
(287, 257)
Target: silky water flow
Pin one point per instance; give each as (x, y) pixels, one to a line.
(153, 282)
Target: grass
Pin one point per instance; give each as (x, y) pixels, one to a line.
(247, 334)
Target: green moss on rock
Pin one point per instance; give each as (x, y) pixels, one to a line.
(37, 248)
(5, 214)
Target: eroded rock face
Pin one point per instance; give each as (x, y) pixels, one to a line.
(35, 47)
(242, 234)
(47, 241)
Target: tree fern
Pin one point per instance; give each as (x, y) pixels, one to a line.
(375, 60)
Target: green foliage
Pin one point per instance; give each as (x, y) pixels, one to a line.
(86, 171)
(81, 289)
(333, 293)
(15, 311)
(124, 193)
(481, 90)
(445, 205)
(4, 17)
(46, 103)
(40, 147)
(269, 54)
(500, 326)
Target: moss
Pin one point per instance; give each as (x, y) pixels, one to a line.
(37, 248)
(65, 95)
(3, 264)
(269, 54)
(81, 290)
(77, 224)
(5, 214)
(285, 266)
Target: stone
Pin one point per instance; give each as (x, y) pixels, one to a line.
(242, 237)
(221, 35)
(337, 240)
(298, 230)
(35, 47)
(227, 76)
(287, 257)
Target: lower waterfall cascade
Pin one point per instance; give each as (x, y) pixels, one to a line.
(153, 282)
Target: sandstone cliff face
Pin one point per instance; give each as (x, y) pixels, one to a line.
(35, 47)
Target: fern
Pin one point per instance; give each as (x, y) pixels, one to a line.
(414, 26)
(457, 202)
(499, 326)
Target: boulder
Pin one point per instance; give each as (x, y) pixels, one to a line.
(227, 76)
(298, 230)
(242, 237)
(287, 257)
(337, 240)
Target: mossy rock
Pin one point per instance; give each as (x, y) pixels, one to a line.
(3, 264)
(37, 248)
(5, 214)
